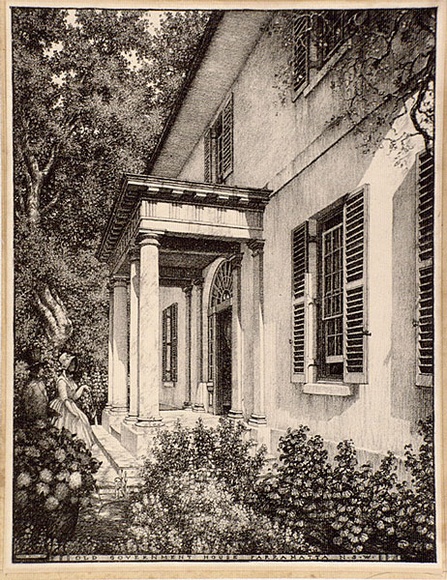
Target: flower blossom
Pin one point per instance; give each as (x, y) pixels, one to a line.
(42, 488)
(61, 491)
(51, 503)
(60, 455)
(75, 480)
(23, 479)
(46, 475)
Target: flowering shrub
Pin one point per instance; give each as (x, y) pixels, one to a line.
(197, 496)
(347, 508)
(53, 478)
(222, 451)
(194, 513)
(93, 403)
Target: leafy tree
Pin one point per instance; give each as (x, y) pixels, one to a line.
(90, 93)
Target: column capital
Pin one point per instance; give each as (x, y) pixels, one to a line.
(256, 247)
(236, 260)
(198, 282)
(149, 239)
(187, 289)
(119, 281)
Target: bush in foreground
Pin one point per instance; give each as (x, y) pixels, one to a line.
(347, 508)
(53, 479)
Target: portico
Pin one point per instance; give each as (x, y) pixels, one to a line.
(165, 236)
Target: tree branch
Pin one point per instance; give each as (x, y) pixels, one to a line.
(51, 203)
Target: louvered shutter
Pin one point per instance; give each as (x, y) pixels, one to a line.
(300, 266)
(425, 254)
(227, 138)
(301, 40)
(164, 342)
(207, 157)
(355, 331)
(174, 341)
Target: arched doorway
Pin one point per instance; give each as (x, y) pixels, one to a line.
(220, 340)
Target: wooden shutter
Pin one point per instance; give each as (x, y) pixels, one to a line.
(164, 341)
(355, 331)
(425, 255)
(211, 324)
(300, 267)
(300, 39)
(227, 138)
(174, 340)
(207, 157)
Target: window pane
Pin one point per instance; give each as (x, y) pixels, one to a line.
(333, 293)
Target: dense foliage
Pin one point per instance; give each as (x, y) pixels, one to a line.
(191, 503)
(198, 496)
(77, 127)
(344, 507)
(222, 451)
(53, 479)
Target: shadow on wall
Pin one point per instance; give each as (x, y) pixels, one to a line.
(408, 401)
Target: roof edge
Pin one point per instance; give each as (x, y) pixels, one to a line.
(208, 34)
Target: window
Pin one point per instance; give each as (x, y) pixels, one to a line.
(218, 146)
(425, 255)
(329, 297)
(333, 31)
(301, 47)
(317, 33)
(332, 296)
(169, 340)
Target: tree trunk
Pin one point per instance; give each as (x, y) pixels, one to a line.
(58, 325)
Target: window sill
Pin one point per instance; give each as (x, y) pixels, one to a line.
(169, 384)
(331, 389)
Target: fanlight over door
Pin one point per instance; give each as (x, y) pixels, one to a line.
(220, 339)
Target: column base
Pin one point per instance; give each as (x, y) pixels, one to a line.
(257, 420)
(198, 408)
(119, 410)
(149, 422)
(131, 419)
(235, 415)
(187, 405)
(112, 419)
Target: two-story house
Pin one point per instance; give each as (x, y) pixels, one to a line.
(276, 263)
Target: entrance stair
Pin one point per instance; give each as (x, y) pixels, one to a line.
(121, 472)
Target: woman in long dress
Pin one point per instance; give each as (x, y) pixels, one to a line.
(69, 415)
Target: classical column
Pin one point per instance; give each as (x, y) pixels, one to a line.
(236, 349)
(188, 339)
(149, 333)
(134, 290)
(110, 367)
(199, 403)
(120, 352)
(258, 415)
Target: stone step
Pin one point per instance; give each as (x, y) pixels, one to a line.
(125, 464)
(112, 493)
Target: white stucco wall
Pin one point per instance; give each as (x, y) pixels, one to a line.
(310, 162)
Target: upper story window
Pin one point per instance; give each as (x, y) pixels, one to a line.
(328, 284)
(316, 36)
(218, 146)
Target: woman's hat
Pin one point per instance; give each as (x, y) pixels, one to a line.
(65, 359)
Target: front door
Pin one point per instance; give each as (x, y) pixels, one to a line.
(223, 370)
